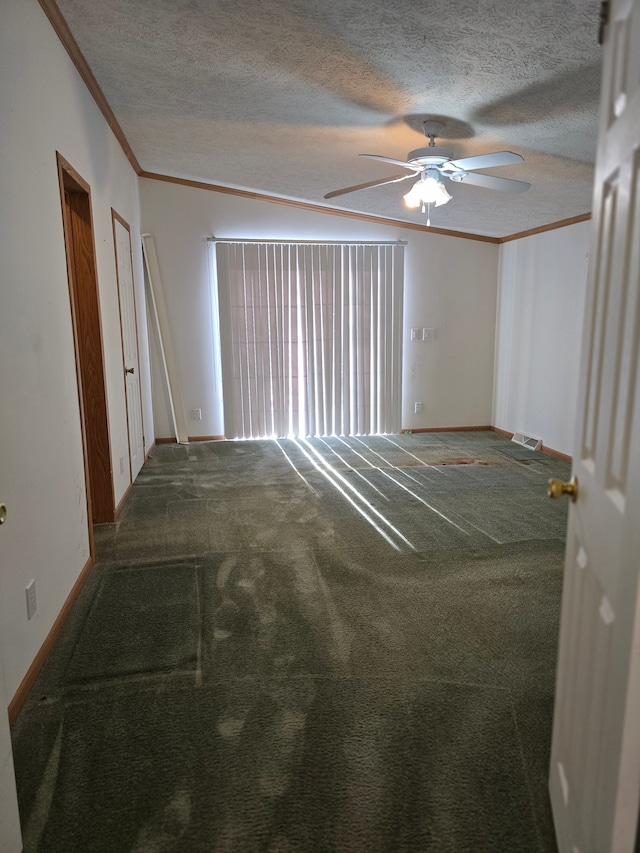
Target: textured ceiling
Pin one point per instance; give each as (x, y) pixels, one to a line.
(280, 96)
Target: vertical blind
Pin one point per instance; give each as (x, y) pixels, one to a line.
(310, 338)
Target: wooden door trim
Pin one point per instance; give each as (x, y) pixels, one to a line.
(21, 694)
(70, 181)
(64, 167)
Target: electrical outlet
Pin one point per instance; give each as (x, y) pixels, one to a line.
(32, 604)
(196, 414)
(417, 408)
(122, 464)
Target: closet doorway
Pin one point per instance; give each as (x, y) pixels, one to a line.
(87, 334)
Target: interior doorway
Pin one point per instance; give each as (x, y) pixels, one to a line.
(87, 333)
(130, 348)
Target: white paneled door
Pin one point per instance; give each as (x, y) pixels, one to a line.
(595, 760)
(129, 329)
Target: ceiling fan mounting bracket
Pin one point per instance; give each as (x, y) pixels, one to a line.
(432, 129)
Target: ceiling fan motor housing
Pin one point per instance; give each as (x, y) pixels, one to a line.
(429, 156)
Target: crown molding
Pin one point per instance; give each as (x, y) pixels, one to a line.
(366, 217)
(57, 21)
(318, 208)
(63, 32)
(562, 223)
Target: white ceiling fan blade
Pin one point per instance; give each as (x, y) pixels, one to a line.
(395, 162)
(392, 180)
(485, 161)
(492, 182)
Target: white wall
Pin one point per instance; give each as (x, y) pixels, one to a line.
(10, 837)
(450, 285)
(45, 108)
(541, 298)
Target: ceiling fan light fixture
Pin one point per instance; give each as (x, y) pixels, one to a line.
(443, 195)
(428, 190)
(413, 198)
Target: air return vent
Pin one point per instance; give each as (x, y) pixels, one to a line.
(527, 441)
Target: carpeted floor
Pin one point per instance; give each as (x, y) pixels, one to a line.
(305, 647)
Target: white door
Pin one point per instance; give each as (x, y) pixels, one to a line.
(129, 330)
(595, 759)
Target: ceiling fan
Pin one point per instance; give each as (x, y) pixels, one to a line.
(432, 164)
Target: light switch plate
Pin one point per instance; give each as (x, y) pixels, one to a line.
(32, 604)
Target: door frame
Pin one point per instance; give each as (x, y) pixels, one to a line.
(84, 294)
(115, 216)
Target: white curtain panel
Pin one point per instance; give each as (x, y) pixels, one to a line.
(310, 338)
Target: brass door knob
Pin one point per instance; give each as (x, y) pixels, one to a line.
(129, 370)
(3, 513)
(558, 488)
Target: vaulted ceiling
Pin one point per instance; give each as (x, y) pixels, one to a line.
(280, 96)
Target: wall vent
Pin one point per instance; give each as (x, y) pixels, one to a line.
(527, 441)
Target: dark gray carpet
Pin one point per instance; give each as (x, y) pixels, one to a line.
(297, 647)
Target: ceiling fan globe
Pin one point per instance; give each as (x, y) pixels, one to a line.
(429, 189)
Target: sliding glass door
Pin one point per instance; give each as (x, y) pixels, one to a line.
(310, 338)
